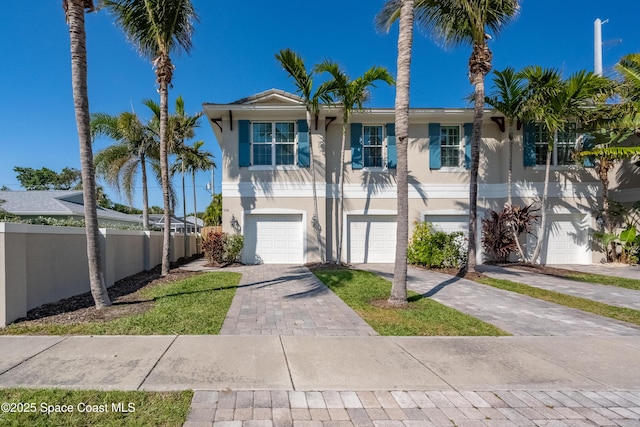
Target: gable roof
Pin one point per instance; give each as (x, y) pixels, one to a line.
(271, 96)
(55, 203)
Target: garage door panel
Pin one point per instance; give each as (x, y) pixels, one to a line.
(566, 241)
(371, 238)
(273, 239)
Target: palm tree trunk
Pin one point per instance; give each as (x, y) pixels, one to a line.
(75, 16)
(473, 173)
(315, 220)
(145, 195)
(184, 210)
(603, 174)
(545, 195)
(398, 295)
(164, 175)
(510, 171)
(341, 191)
(195, 210)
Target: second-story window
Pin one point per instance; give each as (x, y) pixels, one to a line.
(450, 146)
(563, 149)
(372, 145)
(274, 143)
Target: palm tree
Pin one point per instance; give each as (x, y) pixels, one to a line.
(457, 22)
(159, 28)
(554, 102)
(74, 11)
(508, 98)
(351, 95)
(118, 164)
(191, 159)
(398, 296)
(293, 64)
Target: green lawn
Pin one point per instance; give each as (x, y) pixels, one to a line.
(618, 313)
(193, 306)
(44, 406)
(605, 280)
(422, 317)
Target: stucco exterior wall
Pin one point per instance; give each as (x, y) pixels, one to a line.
(42, 264)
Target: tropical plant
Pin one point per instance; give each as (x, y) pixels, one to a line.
(158, 28)
(622, 240)
(351, 95)
(192, 160)
(508, 98)
(213, 213)
(469, 22)
(501, 231)
(118, 164)
(293, 64)
(74, 11)
(554, 103)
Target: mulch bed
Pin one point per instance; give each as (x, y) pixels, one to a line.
(125, 296)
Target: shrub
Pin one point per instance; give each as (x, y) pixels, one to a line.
(233, 247)
(498, 240)
(222, 248)
(213, 246)
(436, 249)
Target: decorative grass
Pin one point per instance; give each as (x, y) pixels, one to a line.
(613, 312)
(149, 409)
(193, 306)
(422, 316)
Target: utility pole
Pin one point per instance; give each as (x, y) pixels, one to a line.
(597, 46)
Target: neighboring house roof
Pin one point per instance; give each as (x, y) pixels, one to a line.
(55, 203)
(195, 220)
(158, 220)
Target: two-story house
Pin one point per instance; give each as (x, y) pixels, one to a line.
(267, 183)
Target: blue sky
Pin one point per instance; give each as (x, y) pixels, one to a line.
(233, 57)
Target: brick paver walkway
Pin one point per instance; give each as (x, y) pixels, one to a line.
(414, 408)
(515, 313)
(611, 295)
(614, 270)
(288, 300)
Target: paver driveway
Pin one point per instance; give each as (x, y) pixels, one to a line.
(288, 300)
(512, 312)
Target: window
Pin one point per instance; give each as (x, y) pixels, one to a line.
(563, 148)
(372, 144)
(274, 143)
(450, 146)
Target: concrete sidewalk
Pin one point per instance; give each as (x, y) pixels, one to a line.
(320, 363)
(350, 381)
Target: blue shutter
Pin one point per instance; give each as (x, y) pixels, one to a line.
(244, 143)
(392, 152)
(588, 142)
(468, 135)
(529, 144)
(435, 156)
(303, 144)
(356, 145)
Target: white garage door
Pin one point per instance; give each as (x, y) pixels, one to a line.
(449, 223)
(371, 238)
(273, 239)
(566, 241)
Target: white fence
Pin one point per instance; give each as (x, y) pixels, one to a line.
(41, 264)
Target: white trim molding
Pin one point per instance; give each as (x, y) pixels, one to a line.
(423, 191)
